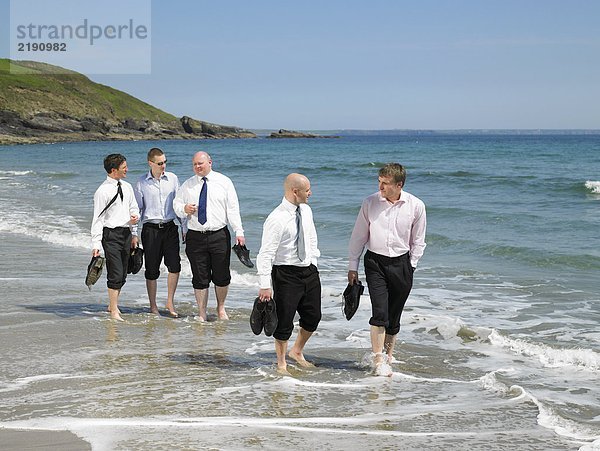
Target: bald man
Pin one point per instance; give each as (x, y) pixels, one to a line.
(287, 269)
(209, 202)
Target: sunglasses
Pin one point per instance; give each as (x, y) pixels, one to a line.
(161, 163)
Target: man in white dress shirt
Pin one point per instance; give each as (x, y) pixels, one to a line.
(154, 193)
(287, 270)
(391, 225)
(116, 214)
(209, 202)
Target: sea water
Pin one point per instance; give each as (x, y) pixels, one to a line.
(498, 347)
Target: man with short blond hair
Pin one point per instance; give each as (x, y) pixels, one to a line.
(391, 224)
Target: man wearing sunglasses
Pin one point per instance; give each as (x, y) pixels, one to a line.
(154, 193)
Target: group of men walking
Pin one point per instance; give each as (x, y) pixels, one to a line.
(391, 225)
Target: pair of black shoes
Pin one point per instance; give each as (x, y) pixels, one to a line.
(352, 295)
(136, 260)
(263, 316)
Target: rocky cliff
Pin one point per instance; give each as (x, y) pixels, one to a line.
(41, 103)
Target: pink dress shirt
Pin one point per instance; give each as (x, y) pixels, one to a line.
(389, 229)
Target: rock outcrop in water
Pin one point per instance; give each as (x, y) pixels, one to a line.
(282, 133)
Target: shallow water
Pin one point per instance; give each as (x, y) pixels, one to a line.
(499, 341)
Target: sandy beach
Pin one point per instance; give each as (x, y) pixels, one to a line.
(25, 440)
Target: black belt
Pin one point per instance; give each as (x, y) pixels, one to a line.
(207, 232)
(404, 256)
(160, 225)
(116, 228)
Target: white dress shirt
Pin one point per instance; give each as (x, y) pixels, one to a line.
(118, 214)
(389, 229)
(222, 206)
(155, 198)
(278, 245)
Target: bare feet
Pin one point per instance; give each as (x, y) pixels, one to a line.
(300, 360)
(172, 312)
(116, 316)
(154, 311)
(383, 369)
(381, 365)
(222, 314)
(201, 318)
(283, 371)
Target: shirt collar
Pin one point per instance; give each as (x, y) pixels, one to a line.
(288, 205)
(403, 195)
(208, 176)
(163, 176)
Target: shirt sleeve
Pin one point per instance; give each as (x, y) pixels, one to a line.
(133, 211)
(271, 237)
(417, 235)
(359, 238)
(97, 223)
(179, 202)
(183, 221)
(233, 210)
(139, 197)
(313, 241)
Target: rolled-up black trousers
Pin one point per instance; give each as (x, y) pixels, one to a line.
(389, 280)
(296, 289)
(117, 247)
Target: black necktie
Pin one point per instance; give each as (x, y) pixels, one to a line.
(112, 201)
(202, 204)
(300, 238)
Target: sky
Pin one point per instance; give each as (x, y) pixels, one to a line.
(377, 64)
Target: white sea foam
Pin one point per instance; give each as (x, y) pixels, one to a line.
(23, 382)
(293, 382)
(361, 336)
(18, 172)
(593, 186)
(547, 416)
(61, 230)
(105, 434)
(585, 359)
(261, 346)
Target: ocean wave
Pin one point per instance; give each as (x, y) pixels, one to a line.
(18, 172)
(53, 229)
(538, 257)
(592, 186)
(547, 417)
(450, 328)
(549, 357)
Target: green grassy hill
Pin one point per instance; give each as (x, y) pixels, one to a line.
(41, 102)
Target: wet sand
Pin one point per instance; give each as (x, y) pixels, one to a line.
(23, 440)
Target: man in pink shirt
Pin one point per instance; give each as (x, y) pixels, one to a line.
(391, 225)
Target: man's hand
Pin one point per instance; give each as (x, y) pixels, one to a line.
(190, 209)
(264, 294)
(352, 277)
